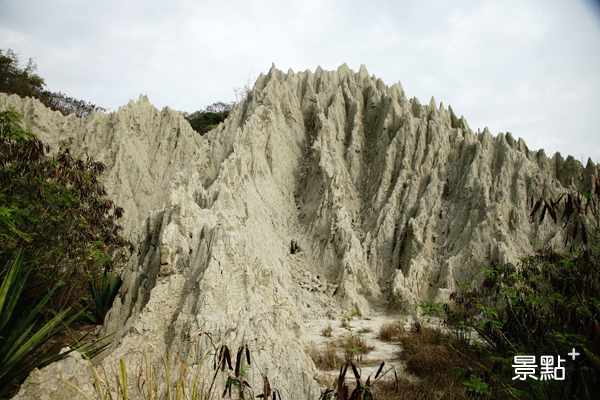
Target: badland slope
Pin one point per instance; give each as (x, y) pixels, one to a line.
(321, 194)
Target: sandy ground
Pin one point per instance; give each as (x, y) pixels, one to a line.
(384, 351)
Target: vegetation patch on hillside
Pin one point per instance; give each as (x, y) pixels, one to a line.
(16, 78)
(207, 119)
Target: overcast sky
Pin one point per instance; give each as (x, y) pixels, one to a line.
(527, 67)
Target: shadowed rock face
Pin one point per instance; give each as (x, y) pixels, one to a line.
(322, 193)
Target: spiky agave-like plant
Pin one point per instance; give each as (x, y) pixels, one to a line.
(104, 296)
(19, 335)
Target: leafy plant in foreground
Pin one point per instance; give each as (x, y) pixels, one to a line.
(56, 211)
(20, 335)
(103, 297)
(580, 214)
(547, 305)
(362, 390)
(56, 226)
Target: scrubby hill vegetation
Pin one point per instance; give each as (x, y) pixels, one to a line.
(61, 247)
(22, 80)
(202, 121)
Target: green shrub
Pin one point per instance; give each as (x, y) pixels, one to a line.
(57, 225)
(547, 305)
(203, 121)
(57, 212)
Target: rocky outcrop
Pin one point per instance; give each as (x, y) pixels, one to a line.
(322, 193)
(145, 151)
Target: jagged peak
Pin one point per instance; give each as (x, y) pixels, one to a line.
(261, 81)
(522, 145)
(432, 102)
(273, 73)
(558, 158)
(590, 163)
(541, 155)
(510, 140)
(273, 69)
(343, 70)
(397, 92)
(397, 86)
(464, 124)
(362, 72)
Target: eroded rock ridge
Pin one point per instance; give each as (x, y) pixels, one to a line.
(322, 193)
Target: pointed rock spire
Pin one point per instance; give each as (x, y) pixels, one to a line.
(362, 72)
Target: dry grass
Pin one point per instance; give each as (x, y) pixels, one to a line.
(362, 343)
(425, 356)
(365, 329)
(327, 331)
(355, 346)
(327, 357)
(177, 377)
(403, 389)
(430, 359)
(391, 332)
(436, 366)
(416, 327)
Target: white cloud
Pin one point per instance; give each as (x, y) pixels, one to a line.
(532, 68)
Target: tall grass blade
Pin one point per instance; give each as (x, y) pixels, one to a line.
(75, 387)
(123, 378)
